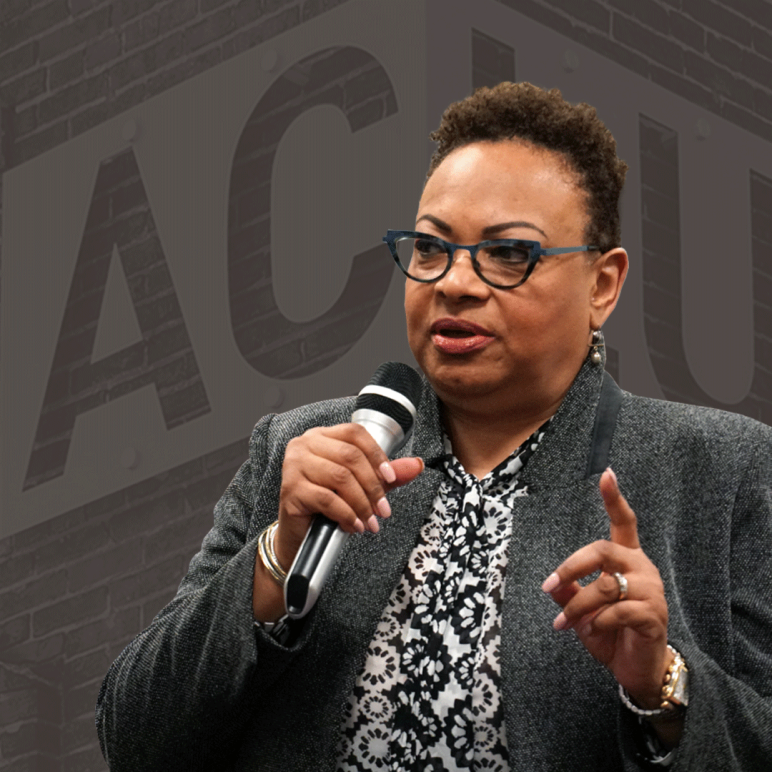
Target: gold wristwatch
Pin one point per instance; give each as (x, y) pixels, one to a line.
(675, 690)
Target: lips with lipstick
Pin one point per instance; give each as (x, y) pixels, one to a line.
(459, 336)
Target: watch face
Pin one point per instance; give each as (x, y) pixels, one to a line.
(680, 695)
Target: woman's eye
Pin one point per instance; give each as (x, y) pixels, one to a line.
(508, 254)
(428, 248)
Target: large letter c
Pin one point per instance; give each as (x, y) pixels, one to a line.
(355, 82)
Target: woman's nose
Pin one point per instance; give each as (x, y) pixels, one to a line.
(462, 279)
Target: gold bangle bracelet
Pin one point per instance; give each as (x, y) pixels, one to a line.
(267, 552)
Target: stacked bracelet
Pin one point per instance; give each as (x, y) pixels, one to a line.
(265, 548)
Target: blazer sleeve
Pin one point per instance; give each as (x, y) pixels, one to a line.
(178, 696)
(729, 718)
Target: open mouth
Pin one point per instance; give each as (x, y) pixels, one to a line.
(459, 336)
(458, 328)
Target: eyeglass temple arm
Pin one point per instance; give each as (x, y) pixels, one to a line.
(567, 250)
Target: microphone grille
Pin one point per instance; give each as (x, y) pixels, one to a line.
(395, 377)
(387, 406)
(399, 377)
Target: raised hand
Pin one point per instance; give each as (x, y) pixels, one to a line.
(627, 634)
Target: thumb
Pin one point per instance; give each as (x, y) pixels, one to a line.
(406, 469)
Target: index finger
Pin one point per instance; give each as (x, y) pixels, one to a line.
(624, 524)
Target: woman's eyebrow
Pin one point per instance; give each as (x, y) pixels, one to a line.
(440, 224)
(490, 230)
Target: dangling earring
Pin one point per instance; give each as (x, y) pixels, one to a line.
(597, 344)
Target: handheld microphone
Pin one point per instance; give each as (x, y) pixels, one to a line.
(386, 407)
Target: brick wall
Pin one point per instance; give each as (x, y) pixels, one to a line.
(67, 65)
(74, 590)
(717, 55)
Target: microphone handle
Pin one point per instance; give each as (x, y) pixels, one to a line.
(316, 557)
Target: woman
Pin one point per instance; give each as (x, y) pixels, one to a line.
(437, 643)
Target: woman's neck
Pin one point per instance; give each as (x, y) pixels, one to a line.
(482, 440)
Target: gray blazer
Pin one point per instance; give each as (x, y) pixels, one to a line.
(203, 689)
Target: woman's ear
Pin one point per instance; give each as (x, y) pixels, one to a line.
(610, 271)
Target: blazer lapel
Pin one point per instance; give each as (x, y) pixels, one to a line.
(563, 512)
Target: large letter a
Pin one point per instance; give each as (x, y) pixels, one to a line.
(119, 218)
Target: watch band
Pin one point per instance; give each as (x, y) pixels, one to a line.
(278, 630)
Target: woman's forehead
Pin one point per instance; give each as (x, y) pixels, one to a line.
(487, 183)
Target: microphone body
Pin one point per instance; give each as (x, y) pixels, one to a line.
(386, 407)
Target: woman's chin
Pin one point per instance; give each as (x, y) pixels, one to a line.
(464, 383)
(459, 381)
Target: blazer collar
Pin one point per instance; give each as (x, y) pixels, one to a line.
(563, 452)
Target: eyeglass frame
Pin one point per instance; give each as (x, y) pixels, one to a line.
(535, 251)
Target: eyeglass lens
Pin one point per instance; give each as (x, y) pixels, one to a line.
(426, 259)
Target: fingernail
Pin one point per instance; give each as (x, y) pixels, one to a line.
(359, 526)
(372, 524)
(551, 582)
(384, 510)
(387, 472)
(613, 475)
(560, 622)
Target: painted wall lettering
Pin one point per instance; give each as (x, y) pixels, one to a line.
(353, 81)
(119, 222)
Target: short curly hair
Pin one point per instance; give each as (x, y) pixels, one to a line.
(543, 118)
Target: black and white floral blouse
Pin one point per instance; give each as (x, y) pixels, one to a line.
(427, 696)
